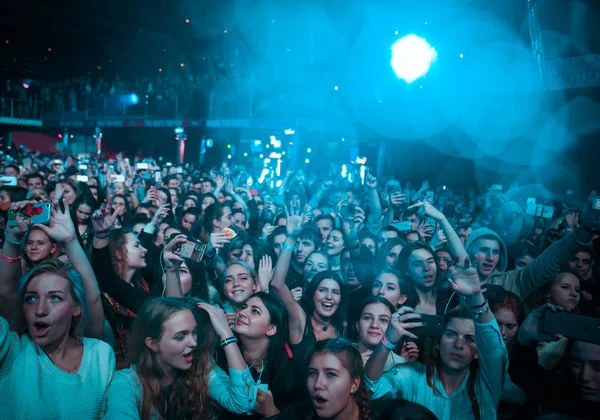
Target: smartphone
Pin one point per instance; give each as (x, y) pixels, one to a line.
(530, 200)
(168, 164)
(494, 293)
(9, 181)
(547, 212)
(433, 329)
(117, 178)
(496, 188)
(191, 250)
(263, 387)
(178, 170)
(82, 167)
(347, 211)
(147, 176)
(38, 213)
(157, 176)
(574, 326)
(403, 226)
(82, 178)
(141, 166)
(596, 203)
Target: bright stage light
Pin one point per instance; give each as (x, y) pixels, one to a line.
(412, 57)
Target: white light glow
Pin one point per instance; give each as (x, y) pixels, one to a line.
(279, 183)
(306, 160)
(412, 57)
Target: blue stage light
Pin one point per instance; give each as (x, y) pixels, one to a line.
(412, 57)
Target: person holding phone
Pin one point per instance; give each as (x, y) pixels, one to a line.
(464, 373)
(572, 388)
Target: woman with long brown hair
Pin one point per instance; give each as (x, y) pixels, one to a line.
(173, 374)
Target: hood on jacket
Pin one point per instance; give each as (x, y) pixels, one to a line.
(485, 232)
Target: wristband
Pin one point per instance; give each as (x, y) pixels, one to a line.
(7, 239)
(102, 235)
(10, 260)
(387, 344)
(286, 247)
(485, 302)
(227, 341)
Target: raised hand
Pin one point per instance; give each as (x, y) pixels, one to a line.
(267, 229)
(397, 199)
(427, 209)
(217, 240)
(297, 293)
(16, 233)
(265, 272)
(464, 278)
(220, 181)
(160, 214)
(60, 228)
(370, 181)
(294, 222)
(424, 230)
(531, 331)
(169, 255)
(217, 319)
(59, 190)
(399, 326)
(103, 221)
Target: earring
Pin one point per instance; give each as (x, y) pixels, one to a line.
(352, 391)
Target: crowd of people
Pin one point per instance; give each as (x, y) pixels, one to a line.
(132, 289)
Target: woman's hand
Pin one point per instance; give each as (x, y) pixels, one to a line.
(428, 209)
(400, 325)
(16, 233)
(59, 190)
(267, 229)
(231, 319)
(397, 199)
(297, 293)
(218, 320)
(217, 240)
(265, 272)
(265, 406)
(410, 351)
(103, 221)
(531, 331)
(464, 279)
(151, 196)
(294, 222)
(60, 228)
(160, 214)
(370, 182)
(172, 260)
(425, 231)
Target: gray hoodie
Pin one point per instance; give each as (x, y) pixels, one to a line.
(541, 271)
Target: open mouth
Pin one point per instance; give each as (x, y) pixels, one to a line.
(40, 329)
(237, 292)
(319, 401)
(327, 306)
(188, 357)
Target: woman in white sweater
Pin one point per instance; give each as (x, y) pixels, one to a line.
(173, 373)
(47, 370)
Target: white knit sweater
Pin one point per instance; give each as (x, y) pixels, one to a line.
(32, 387)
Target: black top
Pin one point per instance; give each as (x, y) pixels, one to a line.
(548, 389)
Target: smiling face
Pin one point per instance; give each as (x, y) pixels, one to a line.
(330, 386)
(177, 342)
(565, 291)
(457, 345)
(315, 263)
(254, 320)
(387, 286)
(372, 324)
(422, 269)
(39, 247)
(49, 308)
(239, 284)
(334, 243)
(327, 298)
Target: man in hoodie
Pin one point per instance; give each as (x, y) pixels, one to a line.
(488, 255)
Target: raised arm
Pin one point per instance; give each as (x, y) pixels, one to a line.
(171, 263)
(62, 230)
(373, 200)
(297, 314)
(10, 262)
(454, 244)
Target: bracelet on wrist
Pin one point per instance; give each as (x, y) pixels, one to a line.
(8, 240)
(287, 247)
(102, 235)
(485, 302)
(387, 344)
(227, 341)
(10, 260)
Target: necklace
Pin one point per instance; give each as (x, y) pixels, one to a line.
(324, 324)
(63, 367)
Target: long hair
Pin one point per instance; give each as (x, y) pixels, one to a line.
(513, 304)
(350, 357)
(433, 362)
(213, 212)
(278, 364)
(403, 266)
(89, 201)
(540, 296)
(380, 262)
(76, 289)
(116, 243)
(369, 301)
(189, 396)
(259, 250)
(338, 318)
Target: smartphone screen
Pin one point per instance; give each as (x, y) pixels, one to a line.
(38, 213)
(192, 251)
